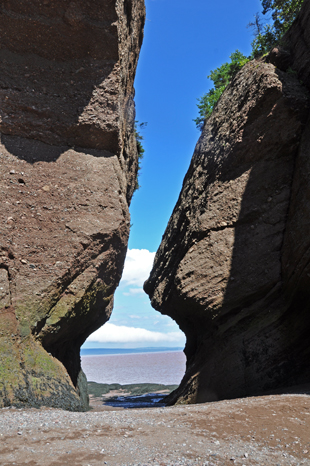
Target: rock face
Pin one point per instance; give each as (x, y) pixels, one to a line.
(68, 171)
(233, 266)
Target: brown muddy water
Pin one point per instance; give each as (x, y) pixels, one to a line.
(165, 368)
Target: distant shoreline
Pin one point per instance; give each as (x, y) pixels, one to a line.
(120, 351)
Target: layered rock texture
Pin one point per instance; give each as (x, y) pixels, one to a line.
(69, 164)
(233, 268)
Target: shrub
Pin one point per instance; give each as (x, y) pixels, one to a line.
(140, 148)
(283, 13)
(221, 77)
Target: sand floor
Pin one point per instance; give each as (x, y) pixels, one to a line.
(266, 430)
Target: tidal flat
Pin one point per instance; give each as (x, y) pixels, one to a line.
(255, 431)
(140, 395)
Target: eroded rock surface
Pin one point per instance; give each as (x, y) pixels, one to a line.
(233, 266)
(68, 171)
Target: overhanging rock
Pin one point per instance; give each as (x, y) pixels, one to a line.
(68, 171)
(233, 266)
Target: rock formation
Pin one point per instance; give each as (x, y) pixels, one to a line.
(68, 171)
(233, 266)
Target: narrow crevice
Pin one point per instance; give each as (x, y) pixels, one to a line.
(289, 206)
(6, 267)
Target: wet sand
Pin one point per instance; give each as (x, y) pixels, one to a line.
(265, 430)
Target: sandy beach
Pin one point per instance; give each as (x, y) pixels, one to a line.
(267, 430)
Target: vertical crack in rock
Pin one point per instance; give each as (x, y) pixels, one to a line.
(5, 289)
(233, 266)
(69, 164)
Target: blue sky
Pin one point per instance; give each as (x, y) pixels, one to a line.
(183, 41)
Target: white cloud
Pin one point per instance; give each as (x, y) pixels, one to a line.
(110, 333)
(133, 291)
(138, 264)
(170, 324)
(136, 290)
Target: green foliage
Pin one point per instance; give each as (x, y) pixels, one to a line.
(221, 77)
(264, 41)
(140, 148)
(283, 13)
(206, 104)
(99, 389)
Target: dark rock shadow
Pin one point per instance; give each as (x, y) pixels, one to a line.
(246, 328)
(260, 337)
(33, 151)
(67, 112)
(59, 76)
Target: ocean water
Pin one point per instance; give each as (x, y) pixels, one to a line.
(163, 367)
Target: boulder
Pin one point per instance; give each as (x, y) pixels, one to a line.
(233, 265)
(69, 165)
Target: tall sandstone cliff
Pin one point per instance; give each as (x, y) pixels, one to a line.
(68, 171)
(233, 268)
